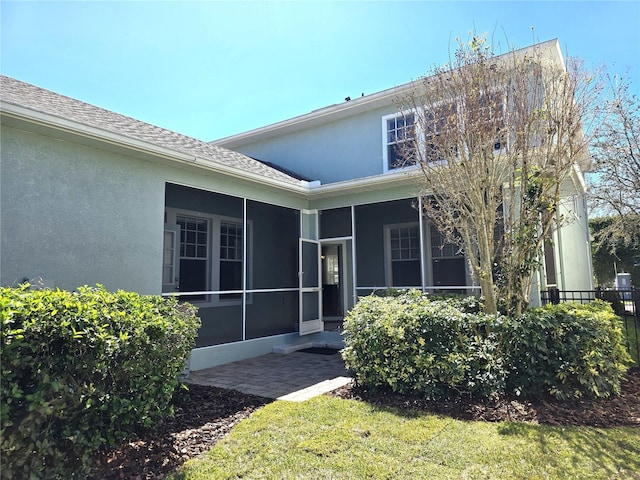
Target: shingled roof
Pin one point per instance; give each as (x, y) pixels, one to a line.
(37, 99)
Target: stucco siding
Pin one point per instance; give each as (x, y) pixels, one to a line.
(573, 248)
(344, 149)
(75, 215)
(370, 247)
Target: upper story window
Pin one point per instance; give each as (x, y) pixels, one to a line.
(437, 129)
(400, 130)
(491, 110)
(435, 124)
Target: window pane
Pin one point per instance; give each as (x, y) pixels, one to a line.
(230, 275)
(406, 274)
(167, 274)
(231, 241)
(399, 131)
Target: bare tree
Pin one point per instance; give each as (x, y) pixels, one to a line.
(498, 138)
(615, 186)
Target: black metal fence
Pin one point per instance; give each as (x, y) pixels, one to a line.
(625, 303)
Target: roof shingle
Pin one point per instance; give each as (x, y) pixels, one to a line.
(34, 98)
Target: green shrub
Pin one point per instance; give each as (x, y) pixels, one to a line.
(82, 370)
(412, 344)
(569, 351)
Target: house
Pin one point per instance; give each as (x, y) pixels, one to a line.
(273, 233)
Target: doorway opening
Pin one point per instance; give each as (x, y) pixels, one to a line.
(332, 286)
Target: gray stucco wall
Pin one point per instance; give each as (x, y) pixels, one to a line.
(76, 215)
(345, 149)
(572, 245)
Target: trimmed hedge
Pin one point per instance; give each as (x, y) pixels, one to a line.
(569, 351)
(411, 343)
(85, 369)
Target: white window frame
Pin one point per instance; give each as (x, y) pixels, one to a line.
(421, 135)
(386, 143)
(173, 264)
(388, 270)
(213, 254)
(429, 258)
(503, 96)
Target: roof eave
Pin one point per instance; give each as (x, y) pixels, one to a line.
(97, 134)
(359, 104)
(307, 120)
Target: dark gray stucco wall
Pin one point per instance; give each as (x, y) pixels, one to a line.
(370, 222)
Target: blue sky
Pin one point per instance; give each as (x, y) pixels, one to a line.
(212, 69)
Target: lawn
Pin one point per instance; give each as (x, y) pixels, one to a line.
(328, 437)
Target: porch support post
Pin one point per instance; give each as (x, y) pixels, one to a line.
(422, 252)
(244, 268)
(353, 253)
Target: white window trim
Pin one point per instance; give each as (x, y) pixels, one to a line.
(174, 231)
(213, 254)
(388, 261)
(385, 143)
(420, 135)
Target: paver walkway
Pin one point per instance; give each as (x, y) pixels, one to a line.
(295, 377)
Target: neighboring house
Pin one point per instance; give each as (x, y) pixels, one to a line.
(270, 250)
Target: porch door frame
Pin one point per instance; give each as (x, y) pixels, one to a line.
(343, 283)
(310, 286)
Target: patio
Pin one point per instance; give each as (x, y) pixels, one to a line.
(295, 377)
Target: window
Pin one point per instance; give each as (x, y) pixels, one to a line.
(400, 130)
(194, 254)
(492, 112)
(403, 255)
(447, 263)
(169, 257)
(440, 248)
(209, 255)
(436, 123)
(435, 126)
(231, 257)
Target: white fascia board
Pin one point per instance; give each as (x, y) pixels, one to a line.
(384, 180)
(578, 179)
(105, 136)
(316, 117)
(307, 189)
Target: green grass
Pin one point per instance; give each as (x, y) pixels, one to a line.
(329, 438)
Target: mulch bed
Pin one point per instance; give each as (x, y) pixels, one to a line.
(206, 414)
(621, 411)
(203, 415)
